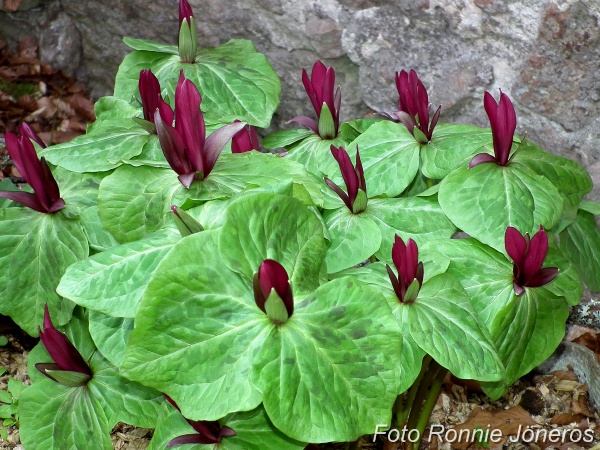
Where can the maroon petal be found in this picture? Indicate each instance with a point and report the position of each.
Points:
(362, 184)
(149, 88)
(51, 187)
(536, 253)
(543, 277)
(34, 174)
(171, 144)
(519, 290)
(310, 90)
(395, 284)
(341, 194)
(189, 122)
(185, 11)
(14, 151)
(166, 113)
(272, 275)
(347, 169)
(307, 122)
(25, 199)
(515, 244)
(216, 142)
(60, 348)
(244, 140)
(480, 159)
(27, 131)
(434, 122)
(398, 252)
(190, 439)
(411, 261)
(317, 79)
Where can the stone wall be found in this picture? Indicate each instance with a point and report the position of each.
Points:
(543, 53)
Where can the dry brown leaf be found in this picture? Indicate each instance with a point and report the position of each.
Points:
(566, 419)
(565, 375)
(11, 5)
(82, 105)
(508, 421)
(581, 406)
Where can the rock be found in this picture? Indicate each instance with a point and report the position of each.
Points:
(584, 364)
(542, 53)
(60, 42)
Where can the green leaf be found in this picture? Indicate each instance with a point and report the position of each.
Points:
(453, 146)
(7, 185)
(112, 282)
(5, 397)
(196, 331)
(15, 387)
(236, 82)
(525, 333)
(55, 417)
(107, 108)
(390, 158)
(485, 200)
(284, 138)
(352, 129)
(354, 238)
(149, 46)
(315, 154)
(420, 219)
(570, 178)
(276, 227)
(444, 324)
(110, 334)
(568, 283)
(590, 206)
(3, 341)
(101, 149)
(580, 242)
(332, 364)
(254, 431)
(134, 201)
(485, 274)
(35, 250)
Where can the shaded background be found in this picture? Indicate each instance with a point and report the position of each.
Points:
(544, 54)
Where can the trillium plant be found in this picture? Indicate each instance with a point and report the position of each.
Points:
(311, 286)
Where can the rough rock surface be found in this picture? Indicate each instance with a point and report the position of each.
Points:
(543, 53)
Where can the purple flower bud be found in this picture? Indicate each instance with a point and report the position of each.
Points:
(413, 105)
(354, 178)
(321, 91)
(409, 268)
(503, 121)
(528, 257)
(245, 140)
(65, 355)
(46, 195)
(150, 93)
(273, 276)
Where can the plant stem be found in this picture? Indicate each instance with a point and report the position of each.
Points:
(432, 396)
(402, 415)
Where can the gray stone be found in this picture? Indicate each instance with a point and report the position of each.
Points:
(60, 42)
(584, 364)
(543, 53)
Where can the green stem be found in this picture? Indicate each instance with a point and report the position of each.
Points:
(402, 415)
(421, 395)
(432, 396)
(429, 182)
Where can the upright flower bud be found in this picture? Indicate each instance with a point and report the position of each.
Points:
(503, 121)
(188, 37)
(69, 367)
(528, 256)
(46, 196)
(326, 101)
(354, 178)
(273, 291)
(149, 88)
(410, 270)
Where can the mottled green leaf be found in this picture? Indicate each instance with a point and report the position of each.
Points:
(35, 250)
(354, 238)
(112, 282)
(485, 200)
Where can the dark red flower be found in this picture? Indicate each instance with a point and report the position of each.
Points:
(69, 367)
(46, 196)
(326, 101)
(272, 277)
(206, 432)
(528, 257)
(503, 121)
(185, 146)
(413, 105)
(244, 140)
(354, 178)
(410, 270)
